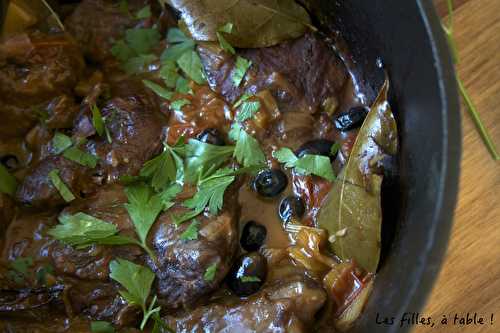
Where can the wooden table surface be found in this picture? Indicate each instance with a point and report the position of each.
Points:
(469, 281)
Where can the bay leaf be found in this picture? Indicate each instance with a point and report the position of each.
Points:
(352, 210)
(257, 23)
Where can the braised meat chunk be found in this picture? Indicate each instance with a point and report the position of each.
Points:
(285, 307)
(34, 68)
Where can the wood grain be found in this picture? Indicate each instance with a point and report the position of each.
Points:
(470, 277)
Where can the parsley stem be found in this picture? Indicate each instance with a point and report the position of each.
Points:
(471, 108)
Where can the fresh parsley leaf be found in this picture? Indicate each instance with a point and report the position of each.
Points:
(97, 119)
(144, 13)
(60, 142)
(306, 165)
(186, 216)
(211, 191)
(175, 35)
(247, 150)
(227, 28)
(61, 187)
(240, 69)
(317, 165)
(137, 281)
(201, 158)
(159, 90)
(122, 51)
(142, 40)
(243, 98)
(123, 6)
(182, 86)
(168, 73)
(178, 104)
(224, 44)
(191, 232)
(210, 272)
(245, 278)
(190, 63)
(41, 274)
(101, 327)
(143, 207)
(286, 156)
(175, 51)
(21, 265)
(138, 64)
(168, 195)
(335, 149)
(8, 183)
(161, 170)
(247, 110)
(79, 156)
(83, 230)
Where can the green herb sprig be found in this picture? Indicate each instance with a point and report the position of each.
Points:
(8, 183)
(470, 107)
(137, 281)
(306, 165)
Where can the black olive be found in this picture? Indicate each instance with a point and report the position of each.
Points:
(353, 118)
(212, 136)
(253, 236)
(291, 207)
(247, 274)
(10, 162)
(269, 183)
(315, 147)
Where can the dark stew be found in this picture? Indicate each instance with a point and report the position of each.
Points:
(185, 166)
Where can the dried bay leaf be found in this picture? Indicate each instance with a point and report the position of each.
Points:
(353, 207)
(257, 23)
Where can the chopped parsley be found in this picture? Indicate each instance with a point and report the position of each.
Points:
(247, 150)
(142, 40)
(169, 74)
(159, 90)
(191, 232)
(101, 327)
(211, 191)
(178, 104)
(240, 69)
(8, 183)
(19, 269)
(134, 50)
(79, 156)
(60, 142)
(224, 44)
(203, 159)
(190, 63)
(335, 149)
(247, 110)
(210, 272)
(161, 170)
(137, 281)
(82, 230)
(138, 64)
(182, 86)
(61, 187)
(306, 165)
(175, 51)
(97, 120)
(144, 13)
(41, 274)
(245, 278)
(168, 195)
(143, 207)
